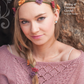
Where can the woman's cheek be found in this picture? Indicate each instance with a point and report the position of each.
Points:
(24, 29)
(48, 25)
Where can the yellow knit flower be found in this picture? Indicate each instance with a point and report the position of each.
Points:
(21, 2)
(58, 7)
(28, 63)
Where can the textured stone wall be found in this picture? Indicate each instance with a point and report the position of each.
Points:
(71, 23)
(6, 22)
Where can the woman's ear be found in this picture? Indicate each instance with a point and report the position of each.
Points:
(56, 13)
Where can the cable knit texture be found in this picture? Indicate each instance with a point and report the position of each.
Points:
(14, 70)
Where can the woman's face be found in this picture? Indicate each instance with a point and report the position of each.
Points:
(37, 22)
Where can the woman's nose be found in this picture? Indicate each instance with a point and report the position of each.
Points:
(34, 27)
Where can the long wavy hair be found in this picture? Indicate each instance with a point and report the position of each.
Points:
(23, 44)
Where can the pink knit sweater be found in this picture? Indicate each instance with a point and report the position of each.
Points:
(14, 70)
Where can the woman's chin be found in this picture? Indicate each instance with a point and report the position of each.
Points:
(39, 43)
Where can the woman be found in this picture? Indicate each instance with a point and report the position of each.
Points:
(36, 56)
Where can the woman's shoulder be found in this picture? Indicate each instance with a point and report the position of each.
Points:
(4, 58)
(3, 53)
(75, 53)
(3, 49)
(71, 53)
(6, 61)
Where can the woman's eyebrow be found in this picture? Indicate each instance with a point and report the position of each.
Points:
(40, 15)
(35, 16)
(22, 19)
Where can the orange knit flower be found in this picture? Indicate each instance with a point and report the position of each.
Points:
(58, 7)
(21, 2)
(28, 63)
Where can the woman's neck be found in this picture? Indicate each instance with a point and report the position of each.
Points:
(45, 51)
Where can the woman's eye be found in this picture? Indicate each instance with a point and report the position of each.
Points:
(41, 18)
(24, 22)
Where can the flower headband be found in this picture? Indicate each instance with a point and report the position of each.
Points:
(20, 2)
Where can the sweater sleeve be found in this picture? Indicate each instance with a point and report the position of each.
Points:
(7, 73)
(3, 79)
(3, 67)
(80, 78)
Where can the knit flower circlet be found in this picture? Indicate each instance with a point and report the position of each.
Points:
(20, 2)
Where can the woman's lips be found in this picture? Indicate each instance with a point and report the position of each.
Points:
(37, 37)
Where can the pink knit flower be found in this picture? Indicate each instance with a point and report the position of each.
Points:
(14, 9)
(53, 4)
(34, 69)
